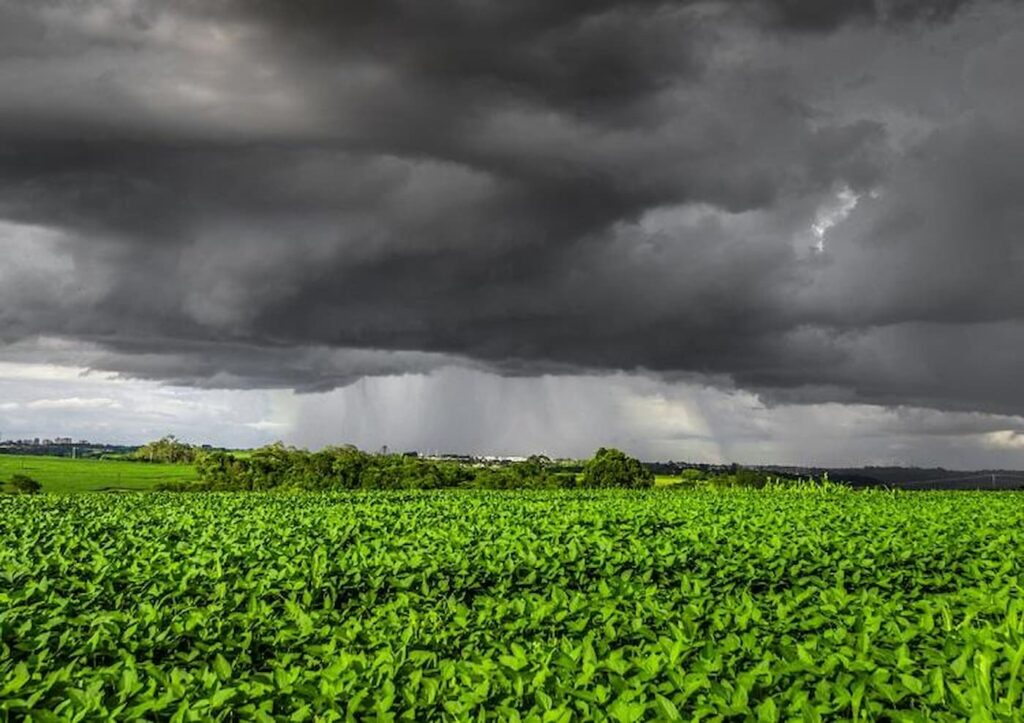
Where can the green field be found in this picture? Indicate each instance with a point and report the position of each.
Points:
(60, 474)
(663, 604)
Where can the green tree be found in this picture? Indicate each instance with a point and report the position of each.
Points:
(749, 477)
(222, 471)
(613, 468)
(168, 449)
(537, 471)
(25, 485)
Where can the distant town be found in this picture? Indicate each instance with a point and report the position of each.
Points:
(37, 442)
(63, 447)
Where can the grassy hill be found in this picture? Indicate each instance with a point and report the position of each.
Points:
(60, 474)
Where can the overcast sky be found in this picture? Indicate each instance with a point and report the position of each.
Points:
(750, 230)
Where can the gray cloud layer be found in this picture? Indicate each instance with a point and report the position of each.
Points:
(816, 201)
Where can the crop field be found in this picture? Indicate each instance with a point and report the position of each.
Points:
(527, 605)
(60, 474)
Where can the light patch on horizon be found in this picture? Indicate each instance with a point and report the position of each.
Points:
(51, 372)
(51, 400)
(473, 412)
(1005, 439)
(74, 403)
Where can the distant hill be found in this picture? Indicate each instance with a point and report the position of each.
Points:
(932, 478)
(923, 478)
(920, 478)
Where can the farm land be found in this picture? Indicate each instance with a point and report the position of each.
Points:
(64, 475)
(801, 603)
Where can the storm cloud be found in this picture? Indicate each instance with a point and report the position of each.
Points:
(811, 202)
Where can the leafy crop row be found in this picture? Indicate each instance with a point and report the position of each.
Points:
(532, 605)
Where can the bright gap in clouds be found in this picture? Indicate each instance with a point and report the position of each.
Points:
(51, 400)
(468, 411)
(841, 207)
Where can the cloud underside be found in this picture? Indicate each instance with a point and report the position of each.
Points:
(805, 200)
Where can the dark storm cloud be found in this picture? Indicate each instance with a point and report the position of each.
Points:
(303, 193)
(827, 15)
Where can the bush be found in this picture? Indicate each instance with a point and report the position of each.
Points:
(23, 484)
(612, 468)
(692, 477)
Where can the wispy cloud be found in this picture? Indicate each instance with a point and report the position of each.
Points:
(74, 403)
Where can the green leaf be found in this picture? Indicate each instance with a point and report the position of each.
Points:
(767, 711)
(222, 667)
(626, 712)
(16, 683)
(912, 684)
(222, 696)
(666, 708)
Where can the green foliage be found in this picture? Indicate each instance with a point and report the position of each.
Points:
(536, 472)
(738, 477)
(25, 485)
(692, 475)
(529, 605)
(168, 451)
(612, 468)
(347, 468)
(744, 477)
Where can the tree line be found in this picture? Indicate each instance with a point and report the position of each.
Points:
(347, 468)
